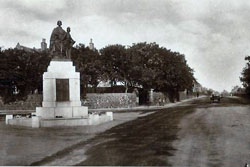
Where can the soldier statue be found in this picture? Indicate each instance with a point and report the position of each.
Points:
(68, 43)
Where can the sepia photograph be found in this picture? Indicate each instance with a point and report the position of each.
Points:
(125, 83)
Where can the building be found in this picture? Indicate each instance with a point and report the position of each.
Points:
(91, 45)
(237, 90)
(43, 45)
(27, 49)
(197, 87)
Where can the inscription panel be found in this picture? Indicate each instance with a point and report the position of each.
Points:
(62, 90)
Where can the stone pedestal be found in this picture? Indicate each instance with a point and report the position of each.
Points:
(61, 92)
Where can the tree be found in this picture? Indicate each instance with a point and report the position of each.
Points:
(21, 71)
(161, 69)
(175, 74)
(145, 62)
(89, 64)
(245, 79)
(143, 65)
(117, 65)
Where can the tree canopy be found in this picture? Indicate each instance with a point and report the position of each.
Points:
(143, 65)
(159, 68)
(117, 65)
(21, 72)
(89, 64)
(245, 79)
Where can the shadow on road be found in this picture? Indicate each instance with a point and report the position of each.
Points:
(146, 141)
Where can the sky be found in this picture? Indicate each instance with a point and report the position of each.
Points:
(213, 35)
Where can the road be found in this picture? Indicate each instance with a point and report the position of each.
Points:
(194, 133)
(21, 146)
(215, 136)
(207, 135)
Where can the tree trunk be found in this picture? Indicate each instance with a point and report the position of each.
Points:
(126, 87)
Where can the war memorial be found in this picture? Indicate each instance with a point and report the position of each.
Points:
(61, 104)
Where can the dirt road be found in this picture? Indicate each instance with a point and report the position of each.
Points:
(195, 133)
(215, 136)
(198, 133)
(23, 146)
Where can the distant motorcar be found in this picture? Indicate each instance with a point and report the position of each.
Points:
(215, 98)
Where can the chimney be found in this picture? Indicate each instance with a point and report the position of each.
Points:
(91, 45)
(43, 44)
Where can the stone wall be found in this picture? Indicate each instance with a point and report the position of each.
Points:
(183, 95)
(95, 100)
(32, 101)
(110, 100)
(159, 99)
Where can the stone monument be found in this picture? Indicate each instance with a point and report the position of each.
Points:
(61, 82)
(61, 104)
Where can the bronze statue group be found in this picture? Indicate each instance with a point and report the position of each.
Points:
(61, 42)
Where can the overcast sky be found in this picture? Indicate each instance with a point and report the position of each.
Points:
(214, 35)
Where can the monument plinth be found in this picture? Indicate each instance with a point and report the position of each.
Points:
(61, 92)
